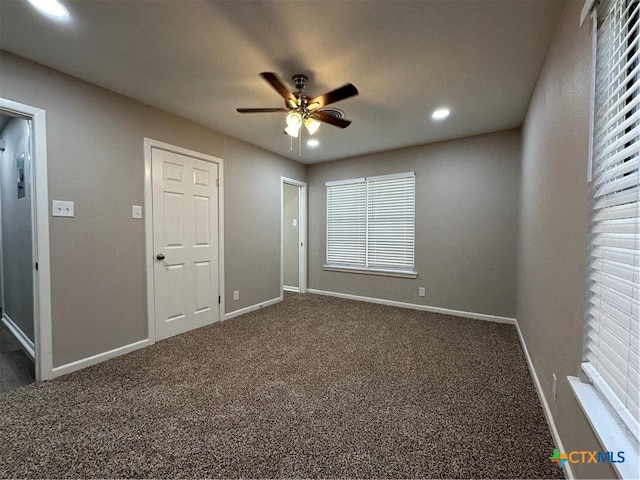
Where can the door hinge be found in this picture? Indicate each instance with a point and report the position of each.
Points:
(36, 265)
(219, 301)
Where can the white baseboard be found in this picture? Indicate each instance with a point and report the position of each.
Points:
(17, 332)
(415, 306)
(545, 405)
(99, 358)
(251, 308)
(291, 289)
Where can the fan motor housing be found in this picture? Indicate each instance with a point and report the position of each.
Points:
(300, 81)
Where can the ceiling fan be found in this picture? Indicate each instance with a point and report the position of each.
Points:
(300, 108)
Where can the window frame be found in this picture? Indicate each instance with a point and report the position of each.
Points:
(365, 268)
(614, 425)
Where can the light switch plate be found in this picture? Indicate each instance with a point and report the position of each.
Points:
(63, 208)
(136, 211)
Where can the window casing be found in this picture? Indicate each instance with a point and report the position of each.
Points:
(371, 224)
(611, 359)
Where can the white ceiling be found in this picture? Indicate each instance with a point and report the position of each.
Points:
(200, 59)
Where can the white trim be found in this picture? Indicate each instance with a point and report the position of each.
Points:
(607, 427)
(149, 144)
(613, 402)
(345, 182)
(257, 306)
(302, 232)
(586, 8)
(371, 271)
(592, 93)
(545, 405)
(414, 306)
(99, 358)
(40, 201)
(390, 176)
(20, 336)
(287, 288)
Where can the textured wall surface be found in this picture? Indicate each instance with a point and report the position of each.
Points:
(553, 227)
(96, 159)
(466, 224)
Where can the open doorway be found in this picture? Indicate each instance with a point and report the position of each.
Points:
(294, 244)
(25, 279)
(17, 306)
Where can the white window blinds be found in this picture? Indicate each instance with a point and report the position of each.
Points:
(371, 222)
(613, 310)
(347, 223)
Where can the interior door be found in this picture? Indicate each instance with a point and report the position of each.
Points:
(185, 239)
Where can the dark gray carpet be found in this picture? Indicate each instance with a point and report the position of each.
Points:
(311, 387)
(16, 368)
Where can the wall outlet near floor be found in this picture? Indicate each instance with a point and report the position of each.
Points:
(554, 387)
(236, 295)
(421, 291)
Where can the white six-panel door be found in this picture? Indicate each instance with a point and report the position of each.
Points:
(185, 240)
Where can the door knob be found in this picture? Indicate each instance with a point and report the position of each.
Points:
(160, 256)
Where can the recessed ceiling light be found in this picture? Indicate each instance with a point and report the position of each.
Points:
(313, 142)
(440, 114)
(52, 8)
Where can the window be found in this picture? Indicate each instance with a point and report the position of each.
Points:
(611, 359)
(371, 224)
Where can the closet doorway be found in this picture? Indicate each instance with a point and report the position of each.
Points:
(25, 290)
(294, 236)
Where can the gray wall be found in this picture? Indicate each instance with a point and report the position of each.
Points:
(95, 158)
(17, 255)
(466, 224)
(291, 234)
(553, 227)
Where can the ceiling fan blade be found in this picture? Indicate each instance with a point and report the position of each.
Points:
(346, 91)
(280, 87)
(338, 122)
(260, 110)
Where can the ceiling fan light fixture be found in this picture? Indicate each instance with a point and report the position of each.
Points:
(294, 122)
(311, 125)
(293, 131)
(303, 110)
(294, 119)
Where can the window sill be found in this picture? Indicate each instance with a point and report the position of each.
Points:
(613, 435)
(372, 271)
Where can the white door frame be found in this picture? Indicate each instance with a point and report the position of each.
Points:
(302, 232)
(149, 144)
(40, 227)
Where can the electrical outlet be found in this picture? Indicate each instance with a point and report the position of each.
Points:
(421, 291)
(236, 295)
(63, 209)
(554, 387)
(136, 211)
